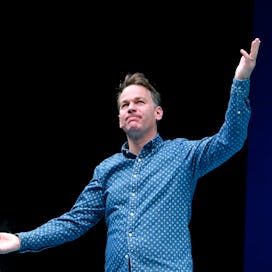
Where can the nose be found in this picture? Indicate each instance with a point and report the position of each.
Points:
(131, 108)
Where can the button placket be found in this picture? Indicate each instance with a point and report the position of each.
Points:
(132, 206)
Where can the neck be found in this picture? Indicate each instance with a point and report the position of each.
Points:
(137, 143)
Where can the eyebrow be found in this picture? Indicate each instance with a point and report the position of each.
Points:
(135, 98)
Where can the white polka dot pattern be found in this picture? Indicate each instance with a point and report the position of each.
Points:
(147, 199)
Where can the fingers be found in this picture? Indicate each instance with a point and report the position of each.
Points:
(255, 44)
(255, 48)
(245, 54)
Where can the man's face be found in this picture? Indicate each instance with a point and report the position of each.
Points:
(137, 112)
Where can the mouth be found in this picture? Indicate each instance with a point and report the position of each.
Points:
(132, 118)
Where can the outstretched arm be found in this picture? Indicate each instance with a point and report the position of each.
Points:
(247, 61)
(8, 242)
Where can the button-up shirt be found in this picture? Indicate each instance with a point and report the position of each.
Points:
(146, 199)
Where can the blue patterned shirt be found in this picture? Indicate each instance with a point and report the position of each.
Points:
(146, 200)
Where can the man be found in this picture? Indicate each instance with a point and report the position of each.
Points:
(145, 192)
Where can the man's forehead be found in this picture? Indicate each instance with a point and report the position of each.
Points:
(134, 91)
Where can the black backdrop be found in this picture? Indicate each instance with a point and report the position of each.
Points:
(61, 67)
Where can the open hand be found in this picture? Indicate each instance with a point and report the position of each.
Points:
(247, 61)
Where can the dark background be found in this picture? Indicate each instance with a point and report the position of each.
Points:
(258, 216)
(61, 67)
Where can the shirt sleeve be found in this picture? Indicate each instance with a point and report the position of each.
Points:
(210, 152)
(85, 213)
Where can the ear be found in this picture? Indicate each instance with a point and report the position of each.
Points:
(121, 125)
(158, 113)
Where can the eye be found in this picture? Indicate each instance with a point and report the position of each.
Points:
(124, 105)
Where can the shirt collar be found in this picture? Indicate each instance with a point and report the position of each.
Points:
(147, 149)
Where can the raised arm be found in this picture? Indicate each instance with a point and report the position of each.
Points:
(247, 61)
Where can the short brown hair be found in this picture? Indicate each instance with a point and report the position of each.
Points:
(138, 79)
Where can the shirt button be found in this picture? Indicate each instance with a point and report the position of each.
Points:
(133, 194)
(130, 234)
(126, 256)
(238, 112)
(132, 213)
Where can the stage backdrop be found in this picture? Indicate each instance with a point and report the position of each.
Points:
(258, 235)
